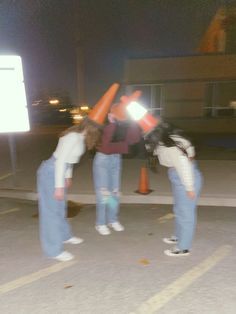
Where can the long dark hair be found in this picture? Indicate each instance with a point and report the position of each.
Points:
(162, 135)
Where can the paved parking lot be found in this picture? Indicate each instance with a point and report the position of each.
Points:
(123, 273)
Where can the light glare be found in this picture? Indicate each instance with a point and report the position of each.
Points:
(136, 111)
(54, 101)
(13, 104)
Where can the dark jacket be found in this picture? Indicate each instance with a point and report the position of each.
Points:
(117, 137)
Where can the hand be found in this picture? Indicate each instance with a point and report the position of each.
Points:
(191, 194)
(68, 182)
(59, 194)
(111, 117)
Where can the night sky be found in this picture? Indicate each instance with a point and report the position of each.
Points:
(45, 32)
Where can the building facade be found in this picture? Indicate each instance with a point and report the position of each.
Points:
(194, 86)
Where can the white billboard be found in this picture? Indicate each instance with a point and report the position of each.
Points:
(13, 105)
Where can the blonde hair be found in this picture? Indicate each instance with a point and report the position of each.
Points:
(92, 133)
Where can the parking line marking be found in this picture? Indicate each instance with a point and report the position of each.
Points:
(9, 211)
(25, 280)
(166, 217)
(6, 175)
(156, 302)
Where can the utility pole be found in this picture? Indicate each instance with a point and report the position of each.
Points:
(80, 56)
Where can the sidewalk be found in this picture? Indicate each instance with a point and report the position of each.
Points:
(219, 184)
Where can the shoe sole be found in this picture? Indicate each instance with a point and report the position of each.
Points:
(168, 241)
(102, 233)
(67, 242)
(61, 260)
(118, 230)
(64, 260)
(110, 226)
(169, 253)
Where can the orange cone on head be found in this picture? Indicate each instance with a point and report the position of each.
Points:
(148, 123)
(145, 120)
(100, 110)
(119, 109)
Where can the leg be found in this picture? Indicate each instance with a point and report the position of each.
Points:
(49, 211)
(174, 183)
(185, 209)
(101, 182)
(64, 224)
(185, 220)
(114, 200)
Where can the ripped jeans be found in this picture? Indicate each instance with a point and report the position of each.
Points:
(106, 178)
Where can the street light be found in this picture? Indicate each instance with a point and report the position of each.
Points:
(13, 105)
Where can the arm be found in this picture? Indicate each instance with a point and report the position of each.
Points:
(109, 147)
(64, 148)
(184, 169)
(68, 176)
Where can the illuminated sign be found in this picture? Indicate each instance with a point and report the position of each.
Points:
(13, 105)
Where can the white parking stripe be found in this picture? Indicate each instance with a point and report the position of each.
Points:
(6, 175)
(166, 217)
(22, 281)
(9, 211)
(156, 302)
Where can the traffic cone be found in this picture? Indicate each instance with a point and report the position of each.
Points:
(145, 120)
(148, 123)
(119, 109)
(143, 182)
(100, 110)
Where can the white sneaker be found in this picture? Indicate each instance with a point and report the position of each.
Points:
(116, 226)
(171, 240)
(176, 252)
(102, 229)
(74, 240)
(64, 257)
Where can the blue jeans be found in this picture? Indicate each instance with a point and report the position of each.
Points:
(54, 227)
(185, 208)
(106, 177)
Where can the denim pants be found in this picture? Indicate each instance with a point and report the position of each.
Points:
(54, 227)
(106, 177)
(185, 208)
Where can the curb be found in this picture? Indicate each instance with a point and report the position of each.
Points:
(204, 200)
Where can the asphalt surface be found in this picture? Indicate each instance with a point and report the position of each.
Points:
(123, 273)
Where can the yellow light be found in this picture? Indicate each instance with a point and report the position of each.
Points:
(136, 110)
(78, 117)
(62, 110)
(84, 108)
(54, 101)
(233, 104)
(74, 111)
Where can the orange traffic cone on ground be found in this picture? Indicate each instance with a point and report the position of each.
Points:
(143, 182)
(100, 110)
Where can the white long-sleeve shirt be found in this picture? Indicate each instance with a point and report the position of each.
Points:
(69, 149)
(174, 157)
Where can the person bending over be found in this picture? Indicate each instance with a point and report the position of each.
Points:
(177, 153)
(54, 176)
